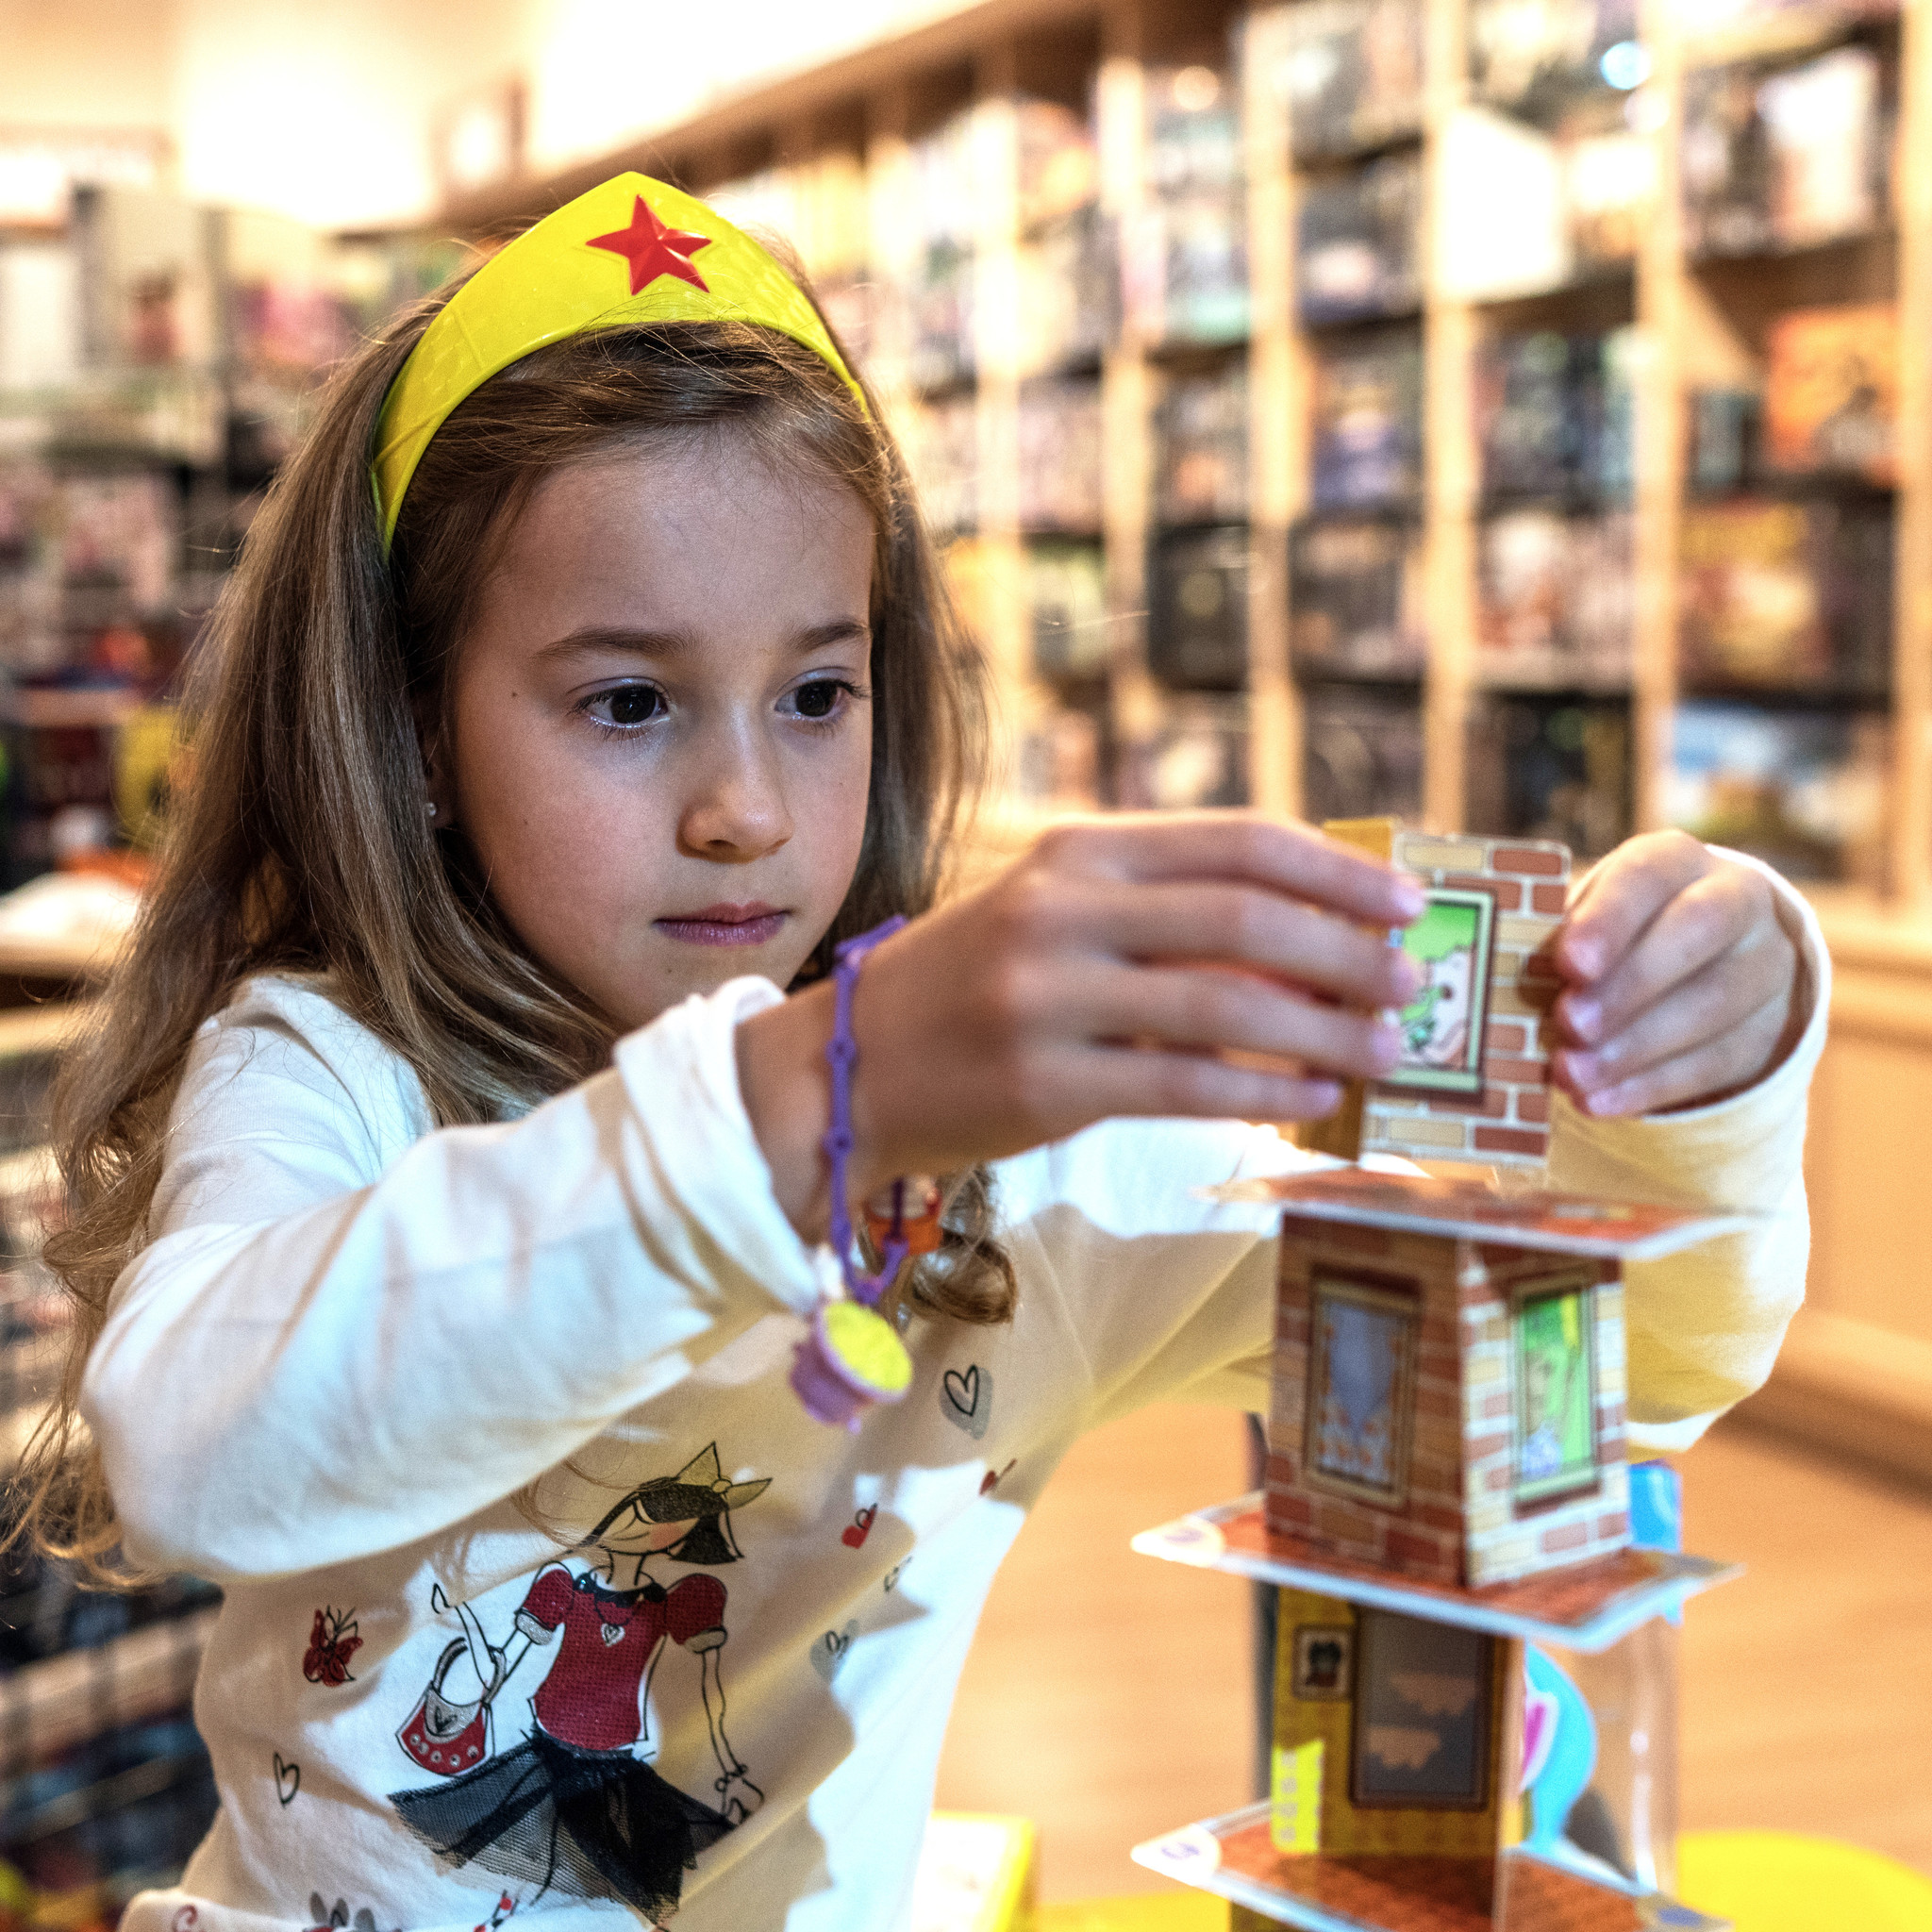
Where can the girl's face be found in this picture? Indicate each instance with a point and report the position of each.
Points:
(659, 728)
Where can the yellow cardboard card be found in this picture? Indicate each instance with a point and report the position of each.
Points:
(976, 1874)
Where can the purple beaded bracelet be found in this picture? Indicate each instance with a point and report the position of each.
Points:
(850, 1357)
(841, 1056)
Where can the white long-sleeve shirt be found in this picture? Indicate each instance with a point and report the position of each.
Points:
(352, 1338)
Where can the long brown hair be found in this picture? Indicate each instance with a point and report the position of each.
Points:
(301, 844)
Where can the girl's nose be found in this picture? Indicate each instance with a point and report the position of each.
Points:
(736, 810)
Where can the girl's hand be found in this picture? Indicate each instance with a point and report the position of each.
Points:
(1109, 972)
(1685, 980)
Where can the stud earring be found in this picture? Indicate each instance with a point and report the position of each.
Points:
(432, 806)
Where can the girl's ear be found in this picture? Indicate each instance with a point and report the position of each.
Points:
(439, 793)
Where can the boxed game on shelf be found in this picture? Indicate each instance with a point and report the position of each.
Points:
(1184, 271)
(118, 1814)
(1184, 262)
(1362, 753)
(819, 207)
(1201, 452)
(1779, 595)
(975, 571)
(1610, 187)
(1355, 598)
(149, 293)
(1526, 212)
(940, 440)
(1059, 455)
(1066, 593)
(1058, 761)
(1351, 75)
(1068, 311)
(1548, 766)
(1501, 231)
(1554, 414)
(940, 299)
(1196, 759)
(1804, 790)
(1538, 61)
(834, 219)
(1557, 597)
(1732, 29)
(1831, 391)
(939, 302)
(1193, 133)
(1725, 427)
(49, 1615)
(1789, 159)
(1058, 161)
(40, 334)
(35, 1321)
(82, 548)
(1197, 629)
(92, 622)
(1367, 420)
(1358, 249)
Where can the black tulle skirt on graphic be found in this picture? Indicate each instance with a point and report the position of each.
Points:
(590, 1824)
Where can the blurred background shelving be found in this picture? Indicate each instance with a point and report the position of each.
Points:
(1511, 416)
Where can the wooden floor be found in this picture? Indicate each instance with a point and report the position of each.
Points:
(1107, 1696)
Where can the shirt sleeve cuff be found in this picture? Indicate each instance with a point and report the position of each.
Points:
(680, 1074)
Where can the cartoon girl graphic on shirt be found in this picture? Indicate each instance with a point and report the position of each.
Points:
(574, 1807)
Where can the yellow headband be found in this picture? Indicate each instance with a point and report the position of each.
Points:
(629, 251)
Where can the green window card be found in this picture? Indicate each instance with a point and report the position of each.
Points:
(1442, 1028)
(1556, 1391)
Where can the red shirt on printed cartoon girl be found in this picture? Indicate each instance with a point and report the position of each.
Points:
(573, 1802)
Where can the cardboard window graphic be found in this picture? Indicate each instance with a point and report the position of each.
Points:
(1362, 1389)
(1442, 1028)
(1423, 1711)
(1552, 1340)
(1323, 1662)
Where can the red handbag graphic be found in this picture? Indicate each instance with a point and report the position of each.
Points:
(447, 1737)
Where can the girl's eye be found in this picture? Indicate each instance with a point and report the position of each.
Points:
(629, 704)
(819, 698)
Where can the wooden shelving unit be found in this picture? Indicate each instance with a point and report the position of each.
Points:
(1698, 324)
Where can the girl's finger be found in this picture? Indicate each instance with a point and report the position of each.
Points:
(1707, 1003)
(1710, 919)
(1621, 896)
(1147, 1082)
(1245, 926)
(1708, 1072)
(1271, 853)
(1209, 1011)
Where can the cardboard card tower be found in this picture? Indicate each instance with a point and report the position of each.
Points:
(1446, 1471)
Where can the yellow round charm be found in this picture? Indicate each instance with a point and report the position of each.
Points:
(865, 1350)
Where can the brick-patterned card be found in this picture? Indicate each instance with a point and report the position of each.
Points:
(1474, 1080)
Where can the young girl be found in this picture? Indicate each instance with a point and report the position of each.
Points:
(448, 1169)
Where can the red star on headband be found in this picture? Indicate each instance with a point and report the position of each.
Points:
(652, 250)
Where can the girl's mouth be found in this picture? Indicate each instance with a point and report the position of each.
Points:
(726, 925)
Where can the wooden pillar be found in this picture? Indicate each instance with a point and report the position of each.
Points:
(995, 165)
(1126, 385)
(1451, 464)
(1663, 300)
(1910, 817)
(1278, 424)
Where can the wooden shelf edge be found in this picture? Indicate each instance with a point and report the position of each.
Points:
(1864, 935)
(1852, 1392)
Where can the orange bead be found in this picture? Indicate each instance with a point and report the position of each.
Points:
(921, 1229)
